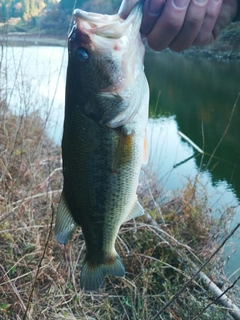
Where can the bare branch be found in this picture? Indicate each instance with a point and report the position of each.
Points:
(195, 274)
(225, 131)
(39, 266)
(222, 298)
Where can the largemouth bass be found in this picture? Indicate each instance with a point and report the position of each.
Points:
(106, 112)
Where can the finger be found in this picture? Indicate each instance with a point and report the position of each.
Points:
(168, 25)
(205, 34)
(227, 13)
(152, 10)
(191, 26)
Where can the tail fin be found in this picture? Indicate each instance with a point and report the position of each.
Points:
(92, 277)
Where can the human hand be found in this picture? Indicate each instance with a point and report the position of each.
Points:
(178, 24)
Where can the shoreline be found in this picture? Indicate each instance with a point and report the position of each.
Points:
(225, 48)
(31, 39)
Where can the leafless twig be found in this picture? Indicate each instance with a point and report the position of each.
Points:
(225, 131)
(196, 274)
(39, 266)
(234, 311)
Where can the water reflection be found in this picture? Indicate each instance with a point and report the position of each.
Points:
(196, 97)
(167, 163)
(201, 94)
(33, 79)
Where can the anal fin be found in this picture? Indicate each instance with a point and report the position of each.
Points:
(137, 211)
(65, 224)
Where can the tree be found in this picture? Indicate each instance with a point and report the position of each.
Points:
(6, 8)
(17, 9)
(107, 6)
(32, 8)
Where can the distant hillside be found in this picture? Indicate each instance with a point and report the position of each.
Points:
(48, 22)
(47, 16)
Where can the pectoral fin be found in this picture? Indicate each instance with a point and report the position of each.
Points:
(145, 150)
(136, 211)
(124, 149)
(65, 224)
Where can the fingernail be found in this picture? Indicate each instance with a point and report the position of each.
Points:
(180, 3)
(202, 1)
(155, 7)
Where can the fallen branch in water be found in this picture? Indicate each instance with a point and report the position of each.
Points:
(197, 272)
(190, 142)
(220, 297)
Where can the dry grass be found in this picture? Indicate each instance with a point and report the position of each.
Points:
(154, 255)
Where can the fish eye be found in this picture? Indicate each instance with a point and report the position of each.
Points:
(81, 54)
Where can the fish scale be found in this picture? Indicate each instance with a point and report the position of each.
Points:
(103, 139)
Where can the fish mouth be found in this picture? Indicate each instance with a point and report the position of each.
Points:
(110, 38)
(110, 26)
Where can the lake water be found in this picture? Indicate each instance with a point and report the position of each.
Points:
(193, 96)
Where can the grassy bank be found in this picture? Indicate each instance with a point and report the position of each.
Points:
(40, 278)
